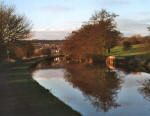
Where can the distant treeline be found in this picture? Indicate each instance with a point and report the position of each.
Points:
(135, 39)
(42, 41)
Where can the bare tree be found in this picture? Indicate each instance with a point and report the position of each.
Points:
(13, 27)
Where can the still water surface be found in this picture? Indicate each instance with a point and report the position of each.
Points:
(97, 91)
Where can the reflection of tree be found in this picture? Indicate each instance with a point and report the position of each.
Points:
(145, 90)
(42, 64)
(98, 84)
(133, 64)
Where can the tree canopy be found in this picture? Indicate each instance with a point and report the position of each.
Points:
(94, 37)
(13, 26)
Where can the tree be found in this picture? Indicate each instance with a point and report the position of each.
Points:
(94, 37)
(22, 49)
(46, 51)
(13, 27)
(126, 45)
(148, 28)
(107, 27)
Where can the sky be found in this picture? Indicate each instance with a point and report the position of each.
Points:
(55, 19)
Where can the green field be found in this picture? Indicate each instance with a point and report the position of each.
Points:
(139, 49)
(20, 95)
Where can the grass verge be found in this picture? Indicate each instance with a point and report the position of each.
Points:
(20, 95)
(135, 50)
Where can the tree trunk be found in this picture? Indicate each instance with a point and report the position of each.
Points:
(108, 50)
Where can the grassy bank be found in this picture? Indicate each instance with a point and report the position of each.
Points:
(135, 50)
(20, 95)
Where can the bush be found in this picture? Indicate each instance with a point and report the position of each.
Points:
(23, 50)
(126, 45)
(46, 51)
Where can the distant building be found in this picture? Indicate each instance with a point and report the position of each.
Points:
(54, 45)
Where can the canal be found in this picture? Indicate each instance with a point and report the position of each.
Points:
(97, 90)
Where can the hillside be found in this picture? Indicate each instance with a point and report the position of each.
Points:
(138, 49)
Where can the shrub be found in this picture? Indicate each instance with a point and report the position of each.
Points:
(126, 45)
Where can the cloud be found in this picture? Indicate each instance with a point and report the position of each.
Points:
(144, 13)
(49, 35)
(57, 32)
(113, 2)
(56, 8)
(130, 27)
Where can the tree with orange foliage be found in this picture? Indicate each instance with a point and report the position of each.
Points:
(94, 37)
(107, 30)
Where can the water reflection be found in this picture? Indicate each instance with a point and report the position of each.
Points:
(96, 90)
(98, 84)
(145, 90)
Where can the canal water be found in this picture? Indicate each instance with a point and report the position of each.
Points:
(97, 90)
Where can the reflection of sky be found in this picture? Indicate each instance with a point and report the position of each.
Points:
(132, 103)
(47, 74)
